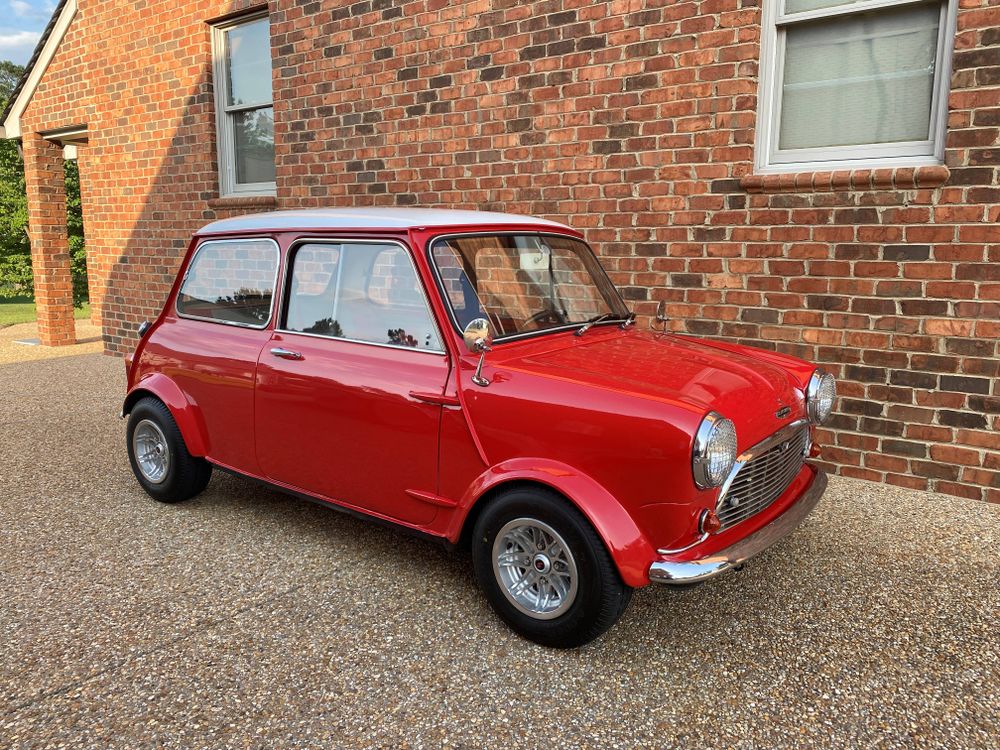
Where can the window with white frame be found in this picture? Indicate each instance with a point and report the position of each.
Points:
(854, 83)
(244, 106)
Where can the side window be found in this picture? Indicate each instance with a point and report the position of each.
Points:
(230, 282)
(364, 292)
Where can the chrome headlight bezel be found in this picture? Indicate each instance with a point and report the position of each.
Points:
(821, 393)
(715, 433)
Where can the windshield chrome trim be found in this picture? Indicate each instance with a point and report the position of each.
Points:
(439, 282)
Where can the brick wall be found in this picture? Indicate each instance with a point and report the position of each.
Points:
(633, 121)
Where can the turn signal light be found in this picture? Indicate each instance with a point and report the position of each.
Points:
(710, 522)
(814, 451)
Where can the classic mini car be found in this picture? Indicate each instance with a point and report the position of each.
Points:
(476, 378)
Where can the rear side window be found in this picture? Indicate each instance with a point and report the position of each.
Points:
(231, 282)
(363, 292)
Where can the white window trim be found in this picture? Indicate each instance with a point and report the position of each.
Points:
(225, 135)
(769, 159)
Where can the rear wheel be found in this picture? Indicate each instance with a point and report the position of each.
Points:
(160, 460)
(544, 569)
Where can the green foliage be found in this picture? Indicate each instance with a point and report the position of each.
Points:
(74, 227)
(22, 310)
(15, 249)
(15, 252)
(10, 74)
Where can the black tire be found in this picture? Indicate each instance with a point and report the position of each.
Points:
(601, 597)
(185, 475)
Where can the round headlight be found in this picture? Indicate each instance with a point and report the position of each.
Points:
(714, 451)
(820, 395)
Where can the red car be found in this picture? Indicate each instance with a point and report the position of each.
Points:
(475, 378)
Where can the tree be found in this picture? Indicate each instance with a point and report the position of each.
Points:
(15, 248)
(10, 74)
(15, 251)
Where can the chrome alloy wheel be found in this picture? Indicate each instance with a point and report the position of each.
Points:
(152, 456)
(535, 568)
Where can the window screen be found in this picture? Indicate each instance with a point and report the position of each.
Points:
(864, 78)
(230, 282)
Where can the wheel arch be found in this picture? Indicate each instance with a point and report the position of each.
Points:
(631, 551)
(186, 414)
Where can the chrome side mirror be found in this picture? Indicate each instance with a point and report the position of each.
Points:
(479, 341)
(659, 323)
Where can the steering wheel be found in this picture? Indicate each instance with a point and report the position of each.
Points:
(548, 315)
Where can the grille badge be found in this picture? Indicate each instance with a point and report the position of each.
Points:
(783, 412)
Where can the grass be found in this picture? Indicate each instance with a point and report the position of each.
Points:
(22, 310)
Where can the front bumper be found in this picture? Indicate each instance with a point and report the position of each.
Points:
(695, 571)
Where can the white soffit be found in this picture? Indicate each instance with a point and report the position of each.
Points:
(11, 127)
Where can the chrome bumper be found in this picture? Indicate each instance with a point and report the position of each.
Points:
(694, 571)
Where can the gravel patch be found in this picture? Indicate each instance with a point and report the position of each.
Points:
(88, 342)
(246, 619)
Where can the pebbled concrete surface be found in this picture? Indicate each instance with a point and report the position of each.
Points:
(88, 341)
(248, 619)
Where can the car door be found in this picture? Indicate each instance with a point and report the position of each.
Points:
(337, 402)
(210, 347)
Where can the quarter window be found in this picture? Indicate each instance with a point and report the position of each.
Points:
(854, 83)
(230, 282)
(363, 292)
(244, 107)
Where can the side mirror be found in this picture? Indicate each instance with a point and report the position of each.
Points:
(477, 336)
(479, 341)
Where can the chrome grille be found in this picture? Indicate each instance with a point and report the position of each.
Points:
(763, 479)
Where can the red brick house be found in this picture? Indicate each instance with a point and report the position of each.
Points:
(816, 176)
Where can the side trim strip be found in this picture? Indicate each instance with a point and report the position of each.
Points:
(436, 398)
(432, 498)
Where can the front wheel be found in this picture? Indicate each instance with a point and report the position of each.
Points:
(160, 458)
(544, 569)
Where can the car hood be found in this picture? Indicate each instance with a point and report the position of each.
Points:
(746, 388)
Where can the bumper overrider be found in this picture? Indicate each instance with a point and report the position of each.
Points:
(695, 571)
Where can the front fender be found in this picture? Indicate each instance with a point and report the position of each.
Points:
(629, 548)
(186, 413)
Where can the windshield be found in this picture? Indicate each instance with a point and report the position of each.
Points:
(523, 283)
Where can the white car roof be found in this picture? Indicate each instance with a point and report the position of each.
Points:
(368, 218)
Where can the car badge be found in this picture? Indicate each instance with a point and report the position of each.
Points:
(783, 412)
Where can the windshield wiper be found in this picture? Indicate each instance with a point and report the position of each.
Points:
(629, 320)
(593, 321)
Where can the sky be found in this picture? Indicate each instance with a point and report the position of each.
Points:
(21, 24)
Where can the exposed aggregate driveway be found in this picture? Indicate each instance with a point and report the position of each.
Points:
(245, 618)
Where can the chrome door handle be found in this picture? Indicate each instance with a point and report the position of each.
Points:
(286, 354)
